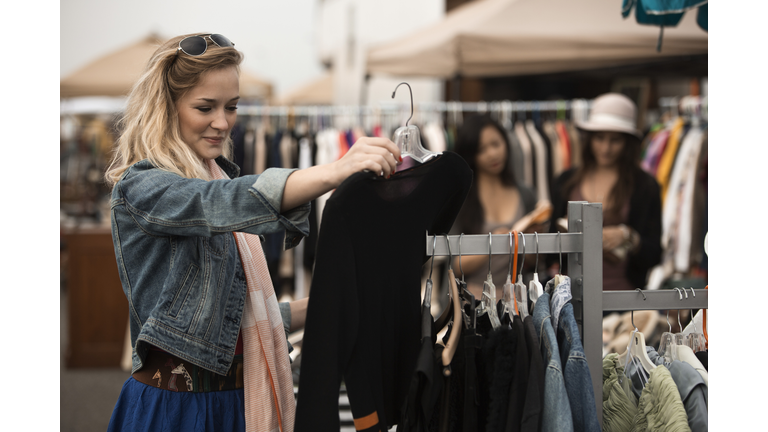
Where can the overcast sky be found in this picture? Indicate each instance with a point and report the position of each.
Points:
(275, 36)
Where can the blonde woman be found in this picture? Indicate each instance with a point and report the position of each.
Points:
(208, 336)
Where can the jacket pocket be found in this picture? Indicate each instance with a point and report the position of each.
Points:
(183, 292)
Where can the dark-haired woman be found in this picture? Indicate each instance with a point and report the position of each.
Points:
(495, 201)
(610, 174)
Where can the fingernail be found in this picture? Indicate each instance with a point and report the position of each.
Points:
(401, 158)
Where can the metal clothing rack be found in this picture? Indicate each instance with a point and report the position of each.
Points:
(582, 247)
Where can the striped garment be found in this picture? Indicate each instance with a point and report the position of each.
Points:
(269, 399)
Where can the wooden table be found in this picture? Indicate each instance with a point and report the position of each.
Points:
(97, 310)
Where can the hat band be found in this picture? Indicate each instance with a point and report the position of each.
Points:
(611, 120)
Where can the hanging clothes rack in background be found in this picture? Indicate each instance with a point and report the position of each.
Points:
(582, 247)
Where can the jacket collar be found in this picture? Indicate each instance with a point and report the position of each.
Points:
(229, 167)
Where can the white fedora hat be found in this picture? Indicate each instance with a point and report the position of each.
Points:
(611, 112)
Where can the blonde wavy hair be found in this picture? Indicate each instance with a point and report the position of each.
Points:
(150, 123)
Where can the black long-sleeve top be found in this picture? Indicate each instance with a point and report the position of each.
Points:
(363, 317)
(644, 217)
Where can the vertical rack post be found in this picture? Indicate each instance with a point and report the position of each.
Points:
(586, 272)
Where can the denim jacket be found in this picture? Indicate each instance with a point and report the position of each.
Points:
(177, 257)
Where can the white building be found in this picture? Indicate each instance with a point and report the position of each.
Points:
(346, 29)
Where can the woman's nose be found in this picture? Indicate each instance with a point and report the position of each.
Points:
(220, 121)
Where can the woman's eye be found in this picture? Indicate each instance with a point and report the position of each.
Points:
(204, 109)
(232, 108)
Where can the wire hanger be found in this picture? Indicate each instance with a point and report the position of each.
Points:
(521, 293)
(450, 346)
(408, 138)
(489, 291)
(535, 289)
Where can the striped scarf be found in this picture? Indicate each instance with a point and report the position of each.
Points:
(269, 400)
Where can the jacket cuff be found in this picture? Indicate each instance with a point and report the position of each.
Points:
(269, 186)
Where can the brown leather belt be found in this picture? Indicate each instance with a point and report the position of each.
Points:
(168, 372)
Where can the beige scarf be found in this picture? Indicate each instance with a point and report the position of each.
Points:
(269, 401)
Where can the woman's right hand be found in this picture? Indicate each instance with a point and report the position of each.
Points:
(379, 155)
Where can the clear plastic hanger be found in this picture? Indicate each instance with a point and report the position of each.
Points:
(471, 319)
(521, 293)
(408, 138)
(489, 291)
(679, 337)
(535, 289)
(426, 304)
(507, 297)
(667, 343)
(636, 352)
(695, 340)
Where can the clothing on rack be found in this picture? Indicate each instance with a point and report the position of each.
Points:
(690, 385)
(556, 415)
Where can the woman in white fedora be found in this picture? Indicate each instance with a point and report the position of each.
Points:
(610, 174)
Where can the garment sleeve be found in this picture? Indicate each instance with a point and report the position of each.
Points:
(330, 332)
(164, 203)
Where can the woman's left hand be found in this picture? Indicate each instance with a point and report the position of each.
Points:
(613, 236)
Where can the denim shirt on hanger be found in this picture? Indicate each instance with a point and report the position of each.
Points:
(556, 415)
(578, 380)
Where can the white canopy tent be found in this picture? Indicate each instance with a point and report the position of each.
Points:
(518, 37)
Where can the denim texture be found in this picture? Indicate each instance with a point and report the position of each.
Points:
(578, 380)
(556, 415)
(178, 260)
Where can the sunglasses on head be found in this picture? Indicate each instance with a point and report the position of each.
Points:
(198, 45)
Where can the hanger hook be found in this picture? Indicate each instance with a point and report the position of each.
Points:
(490, 250)
(434, 243)
(523, 262)
(560, 240)
(668, 323)
(632, 313)
(536, 268)
(411, 91)
(461, 269)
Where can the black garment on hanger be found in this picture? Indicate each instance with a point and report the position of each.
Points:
(363, 319)
(534, 396)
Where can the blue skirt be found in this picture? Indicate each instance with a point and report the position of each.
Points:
(145, 408)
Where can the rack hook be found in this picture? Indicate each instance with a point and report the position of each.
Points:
(411, 92)
(536, 268)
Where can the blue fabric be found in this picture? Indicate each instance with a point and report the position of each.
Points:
(145, 408)
(702, 17)
(578, 380)
(556, 415)
(667, 13)
(178, 261)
